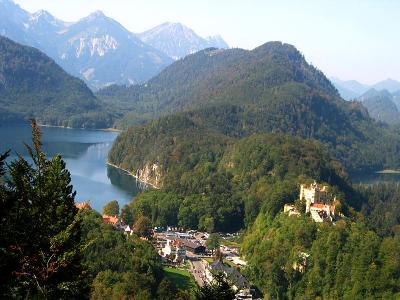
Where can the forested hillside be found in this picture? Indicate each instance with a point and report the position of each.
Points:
(345, 261)
(213, 182)
(34, 86)
(216, 76)
(269, 89)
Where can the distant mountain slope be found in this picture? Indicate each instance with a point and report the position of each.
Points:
(396, 99)
(96, 48)
(14, 21)
(388, 84)
(269, 89)
(381, 106)
(177, 40)
(349, 89)
(33, 85)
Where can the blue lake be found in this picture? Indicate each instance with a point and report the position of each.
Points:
(85, 153)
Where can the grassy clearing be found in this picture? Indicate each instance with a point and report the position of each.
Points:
(182, 279)
(230, 243)
(209, 259)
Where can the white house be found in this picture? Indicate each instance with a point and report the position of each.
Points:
(175, 249)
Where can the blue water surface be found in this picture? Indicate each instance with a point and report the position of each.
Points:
(85, 153)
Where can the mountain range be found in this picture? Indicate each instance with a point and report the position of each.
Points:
(352, 89)
(97, 48)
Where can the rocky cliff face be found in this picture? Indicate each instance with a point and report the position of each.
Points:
(150, 174)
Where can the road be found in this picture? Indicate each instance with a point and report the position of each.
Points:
(198, 270)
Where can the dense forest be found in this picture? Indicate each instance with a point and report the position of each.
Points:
(33, 85)
(345, 261)
(212, 182)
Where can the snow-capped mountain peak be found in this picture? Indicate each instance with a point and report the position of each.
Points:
(177, 40)
(44, 17)
(97, 15)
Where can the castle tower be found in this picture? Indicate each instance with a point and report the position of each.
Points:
(313, 193)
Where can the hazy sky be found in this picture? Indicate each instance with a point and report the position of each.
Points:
(350, 39)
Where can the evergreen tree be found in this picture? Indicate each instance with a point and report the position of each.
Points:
(40, 228)
(218, 289)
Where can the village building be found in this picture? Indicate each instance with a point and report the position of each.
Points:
(174, 249)
(127, 229)
(193, 246)
(113, 220)
(239, 283)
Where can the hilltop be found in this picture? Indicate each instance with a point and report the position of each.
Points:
(33, 86)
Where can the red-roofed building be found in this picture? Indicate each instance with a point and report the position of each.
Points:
(113, 220)
(83, 205)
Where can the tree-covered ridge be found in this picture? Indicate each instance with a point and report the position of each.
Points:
(381, 106)
(215, 76)
(381, 207)
(118, 265)
(33, 85)
(174, 143)
(213, 182)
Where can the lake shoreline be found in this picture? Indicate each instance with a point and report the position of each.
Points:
(133, 175)
(94, 129)
(388, 171)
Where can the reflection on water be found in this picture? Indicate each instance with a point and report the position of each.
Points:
(85, 153)
(124, 181)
